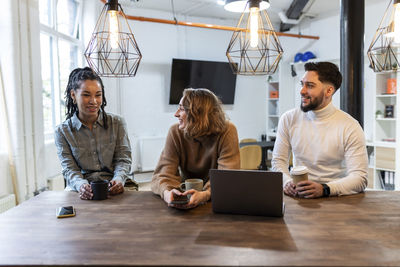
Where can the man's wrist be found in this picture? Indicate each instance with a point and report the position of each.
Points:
(326, 190)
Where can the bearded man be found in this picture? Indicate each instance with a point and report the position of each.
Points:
(325, 139)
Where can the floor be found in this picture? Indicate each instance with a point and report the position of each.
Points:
(144, 180)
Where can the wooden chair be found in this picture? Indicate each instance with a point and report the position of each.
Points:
(250, 157)
(248, 140)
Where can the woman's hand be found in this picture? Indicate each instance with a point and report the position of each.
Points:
(197, 197)
(85, 191)
(116, 188)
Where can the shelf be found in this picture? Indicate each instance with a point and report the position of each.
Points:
(383, 169)
(273, 116)
(386, 119)
(386, 95)
(271, 134)
(273, 99)
(385, 144)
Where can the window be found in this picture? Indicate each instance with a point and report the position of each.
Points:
(61, 52)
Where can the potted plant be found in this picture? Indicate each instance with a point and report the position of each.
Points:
(379, 114)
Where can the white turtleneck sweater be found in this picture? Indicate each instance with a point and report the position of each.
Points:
(329, 142)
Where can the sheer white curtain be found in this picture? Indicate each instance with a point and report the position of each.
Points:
(7, 167)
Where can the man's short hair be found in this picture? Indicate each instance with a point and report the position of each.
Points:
(327, 72)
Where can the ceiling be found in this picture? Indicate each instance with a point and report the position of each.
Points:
(211, 9)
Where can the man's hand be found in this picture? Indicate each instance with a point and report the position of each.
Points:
(85, 191)
(116, 188)
(290, 189)
(309, 189)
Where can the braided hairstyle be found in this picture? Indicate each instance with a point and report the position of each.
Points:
(75, 80)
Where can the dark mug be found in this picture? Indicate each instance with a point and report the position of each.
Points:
(263, 137)
(99, 189)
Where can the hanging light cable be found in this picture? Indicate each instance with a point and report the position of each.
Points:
(254, 43)
(112, 51)
(384, 51)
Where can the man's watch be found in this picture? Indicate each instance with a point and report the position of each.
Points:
(326, 190)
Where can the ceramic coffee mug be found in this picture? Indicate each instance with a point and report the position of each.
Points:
(299, 173)
(99, 189)
(196, 184)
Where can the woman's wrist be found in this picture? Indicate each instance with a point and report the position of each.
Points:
(166, 195)
(207, 195)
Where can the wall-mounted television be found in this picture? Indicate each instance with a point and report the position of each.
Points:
(215, 76)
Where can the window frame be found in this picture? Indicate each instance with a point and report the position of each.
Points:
(54, 56)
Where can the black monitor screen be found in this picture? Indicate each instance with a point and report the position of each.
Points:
(215, 76)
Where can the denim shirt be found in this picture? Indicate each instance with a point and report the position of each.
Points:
(98, 154)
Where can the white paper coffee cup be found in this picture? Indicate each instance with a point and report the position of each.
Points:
(299, 173)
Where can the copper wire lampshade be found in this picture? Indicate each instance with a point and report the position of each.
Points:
(112, 51)
(254, 48)
(384, 51)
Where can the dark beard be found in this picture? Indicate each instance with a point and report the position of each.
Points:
(313, 104)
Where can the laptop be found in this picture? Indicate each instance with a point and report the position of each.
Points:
(247, 192)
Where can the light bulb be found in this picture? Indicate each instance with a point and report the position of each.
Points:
(254, 12)
(114, 29)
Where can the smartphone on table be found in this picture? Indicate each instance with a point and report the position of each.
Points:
(67, 211)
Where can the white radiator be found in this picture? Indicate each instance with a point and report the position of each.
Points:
(149, 152)
(7, 202)
(56, 183)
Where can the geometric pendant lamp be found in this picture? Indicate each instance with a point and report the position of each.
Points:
(112, 51)
(254, 48)
(384, 51)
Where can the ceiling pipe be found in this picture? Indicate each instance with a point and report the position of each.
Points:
(209, 26)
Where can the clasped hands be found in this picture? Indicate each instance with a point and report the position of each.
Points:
(85, 191)
(303, 189)
(197, 197)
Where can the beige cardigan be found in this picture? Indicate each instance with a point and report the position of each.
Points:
(184, 158)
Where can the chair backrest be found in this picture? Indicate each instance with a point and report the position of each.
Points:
(248, 140)
(250, 157)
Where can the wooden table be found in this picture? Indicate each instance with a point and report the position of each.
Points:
(137, 228)
(265, 146)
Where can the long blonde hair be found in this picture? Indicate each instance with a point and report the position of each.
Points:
(204, 113)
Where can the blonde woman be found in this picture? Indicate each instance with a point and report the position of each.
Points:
(202, 139)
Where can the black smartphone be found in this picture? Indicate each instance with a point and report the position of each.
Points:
(63, 212)
(179, 199)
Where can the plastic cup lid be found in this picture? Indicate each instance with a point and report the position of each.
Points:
(299, 170)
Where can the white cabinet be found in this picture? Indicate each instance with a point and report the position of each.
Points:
(382, 151)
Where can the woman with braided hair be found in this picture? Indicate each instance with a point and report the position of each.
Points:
(91, 144)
